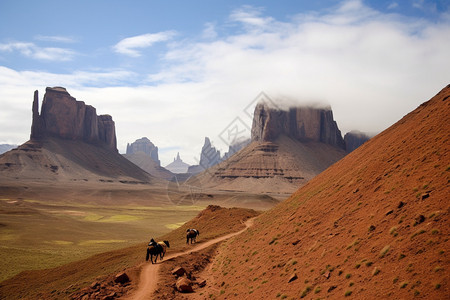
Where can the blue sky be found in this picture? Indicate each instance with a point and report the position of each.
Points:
(177, 71)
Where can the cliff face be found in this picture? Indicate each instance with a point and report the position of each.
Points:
(354, 139)
(209, 156)
(299, 123)
(64, 117)
(146, 146)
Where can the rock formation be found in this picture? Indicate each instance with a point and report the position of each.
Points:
(69, 143)
(6, 147)
(144, 145)
(235, 147)
(287, 149)
(64, 117)
(354, 139)
(209, 156)
(177, 166)
(299, 123)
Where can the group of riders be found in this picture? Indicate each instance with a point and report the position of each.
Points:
(159, 248)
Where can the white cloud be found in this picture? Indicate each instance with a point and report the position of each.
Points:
(392, 5)
(372, 68)
(41, 53)
(210, 31)
(129, 46)
(55, 38)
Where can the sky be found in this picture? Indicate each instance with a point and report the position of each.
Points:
(178, 71)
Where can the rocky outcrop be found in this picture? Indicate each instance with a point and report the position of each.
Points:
(235, 147)
(144, 145)
(354, 139)
(177, 166)
(209, 156)
(6, 147)
(299, 123)
(64, 117)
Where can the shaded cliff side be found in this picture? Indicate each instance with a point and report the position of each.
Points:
(62, 116)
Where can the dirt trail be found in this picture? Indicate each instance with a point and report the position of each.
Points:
(150, 273)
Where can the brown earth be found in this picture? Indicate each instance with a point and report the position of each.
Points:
(146, 163)
(374, 225)
(94, 277)
(281, 166)
(55, 159)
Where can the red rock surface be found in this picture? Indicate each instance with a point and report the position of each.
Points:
(372, 226)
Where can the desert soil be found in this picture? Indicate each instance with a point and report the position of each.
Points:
(150, 277)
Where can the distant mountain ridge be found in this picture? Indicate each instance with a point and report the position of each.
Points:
(6, 147)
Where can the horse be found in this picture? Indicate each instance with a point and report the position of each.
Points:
(164, 245)
(154, 249)
(192, 235)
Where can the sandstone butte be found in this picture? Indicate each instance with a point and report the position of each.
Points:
(288, 148)
(69, 142)
(64, 117)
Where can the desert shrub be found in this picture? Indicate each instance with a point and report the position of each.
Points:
(305, 292)
(384, 251)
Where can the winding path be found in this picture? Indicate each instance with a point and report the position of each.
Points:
(150, 273)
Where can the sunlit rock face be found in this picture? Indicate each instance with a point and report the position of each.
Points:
(64, 117)
(299, 123)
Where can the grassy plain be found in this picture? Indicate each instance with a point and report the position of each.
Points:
(38, 234)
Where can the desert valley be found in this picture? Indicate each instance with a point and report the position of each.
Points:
(365, 222)
(202, 150)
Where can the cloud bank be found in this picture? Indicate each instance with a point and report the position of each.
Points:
(372, 68)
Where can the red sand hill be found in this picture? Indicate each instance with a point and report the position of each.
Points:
(374, 225)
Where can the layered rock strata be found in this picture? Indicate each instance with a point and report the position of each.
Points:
(300, 123)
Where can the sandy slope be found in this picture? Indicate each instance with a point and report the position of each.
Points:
(266, 167)
(149, 275)
(374, 225)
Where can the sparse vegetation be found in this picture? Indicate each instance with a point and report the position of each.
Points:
(403, 284)
(305, 292)
(384, 251)
(348, 293)
(317, 290)
(348, 275)
(421, 231)
(435, 231)
(438, 268)
(393, 231)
